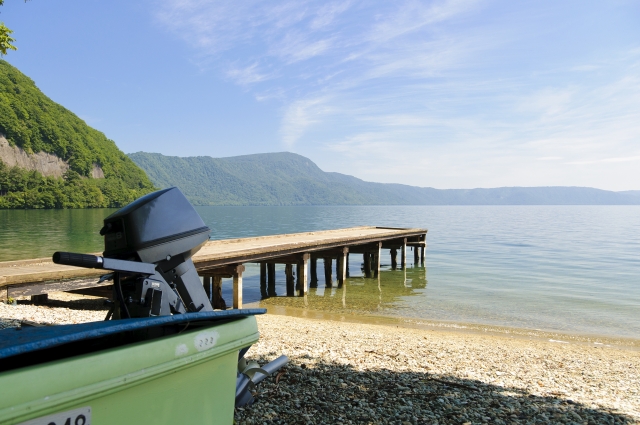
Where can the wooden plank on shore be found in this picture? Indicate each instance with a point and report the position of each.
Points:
(37, 288)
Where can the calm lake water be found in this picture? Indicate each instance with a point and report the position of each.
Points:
(559, 268)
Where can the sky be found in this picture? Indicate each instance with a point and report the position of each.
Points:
(445, 94)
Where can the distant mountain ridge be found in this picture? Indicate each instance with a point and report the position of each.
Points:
(286, 178)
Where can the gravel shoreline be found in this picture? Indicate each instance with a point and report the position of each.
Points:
(355, 373)
(371, 374)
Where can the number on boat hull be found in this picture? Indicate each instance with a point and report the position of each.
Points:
(81, 416)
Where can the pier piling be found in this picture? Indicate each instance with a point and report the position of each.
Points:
(302, 268)
(237, 286)
(403, 254)
(271, 279)
(347, 265)
(341, 267)
(263, 280)
(206, 282)
(216, 293)
(327, 272)
(376, 257)
(394, 258)
(366, 258)
(288, 272)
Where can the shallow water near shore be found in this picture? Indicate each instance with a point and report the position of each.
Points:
(566, 269)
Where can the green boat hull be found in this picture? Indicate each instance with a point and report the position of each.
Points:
(187, 378)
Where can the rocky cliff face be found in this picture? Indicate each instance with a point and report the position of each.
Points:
(46, 163)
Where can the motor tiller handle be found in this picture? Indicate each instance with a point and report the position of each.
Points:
(79, 260)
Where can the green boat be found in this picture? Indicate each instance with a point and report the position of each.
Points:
(179, 369)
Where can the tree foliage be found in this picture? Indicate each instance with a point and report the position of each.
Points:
(20, 188)
(33, 122)
(6, 41)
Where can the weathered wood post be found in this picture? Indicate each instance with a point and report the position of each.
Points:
(302, 275)
(366, 257)
(403, 254)
(271, 279)
(327, 272)
(216, 294)
(314, 273)
(347, 266)
(288, 272)
(237, 286)
(416, 255)
(394, 258)
(206, 282)
(376, 260)
(341, 267)
(263, 280)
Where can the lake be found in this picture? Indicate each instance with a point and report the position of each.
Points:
(572, 269)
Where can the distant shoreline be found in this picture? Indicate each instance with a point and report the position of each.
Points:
(285, 178)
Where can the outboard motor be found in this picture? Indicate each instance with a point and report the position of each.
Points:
(148, 246)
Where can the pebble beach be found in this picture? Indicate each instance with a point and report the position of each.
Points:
(359, 373)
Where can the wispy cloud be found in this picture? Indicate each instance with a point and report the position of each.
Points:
(446, 86)
(299, 116)
(607, 160)
(247, 75)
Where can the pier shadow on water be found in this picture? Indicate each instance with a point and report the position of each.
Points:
(332, 393)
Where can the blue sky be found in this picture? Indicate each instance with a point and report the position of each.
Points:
(446, 94)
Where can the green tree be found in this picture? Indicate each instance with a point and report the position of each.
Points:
(6, 40)
(5, 37)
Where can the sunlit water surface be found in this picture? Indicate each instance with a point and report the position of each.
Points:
(558, 268)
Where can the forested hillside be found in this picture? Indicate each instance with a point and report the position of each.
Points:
(261, 179)
(33, 122)
(290, 179)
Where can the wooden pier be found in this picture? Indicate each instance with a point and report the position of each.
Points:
(226, 258)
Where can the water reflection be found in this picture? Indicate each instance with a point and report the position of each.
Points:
(39, 233)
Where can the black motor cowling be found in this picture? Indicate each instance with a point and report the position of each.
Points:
(155, 226)
(162, 231)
